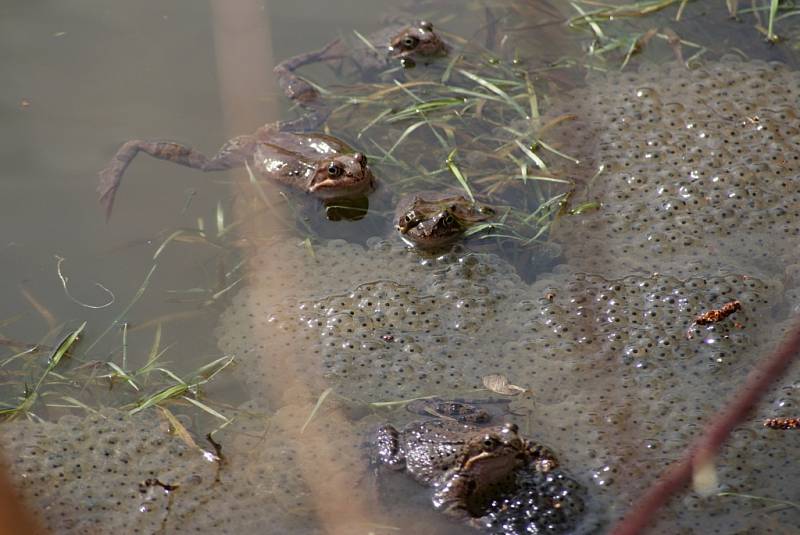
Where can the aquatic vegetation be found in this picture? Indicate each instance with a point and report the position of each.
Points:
(122, 473)
(672, 192)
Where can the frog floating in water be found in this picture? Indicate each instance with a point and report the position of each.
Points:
(317, 164)
(467, 466)
(430, 219)
(403, 43)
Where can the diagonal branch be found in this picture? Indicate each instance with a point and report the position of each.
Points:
(678, 476)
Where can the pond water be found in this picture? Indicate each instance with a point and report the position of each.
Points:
(643, 170)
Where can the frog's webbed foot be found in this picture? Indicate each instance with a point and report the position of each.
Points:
(232, 154)
(457, 510)
(294, 87)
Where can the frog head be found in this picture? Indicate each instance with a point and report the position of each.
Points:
(418, 40)
(343, 175)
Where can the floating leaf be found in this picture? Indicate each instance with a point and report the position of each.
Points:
(499, 385)
(178, 428)
(704, 479)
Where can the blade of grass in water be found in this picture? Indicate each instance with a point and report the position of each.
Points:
(202, 406)
(405, 134)
(374, 121)
(543, 179)
(366, 42)
(152, 356)
(414, 110)
(407, 91)
(316, 408)
(760, 498)
(160, 396)
(773, 10)
(557, 153)
(496, 90)
(118, 371)
(593, 25)
(31, 395)
(532, 98)
(451, 164)
(62, 349)
(220, 219)
(530, 154)
(136, 297)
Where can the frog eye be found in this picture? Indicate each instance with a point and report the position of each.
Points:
(511, 428)
(335, 170)
(409, 42)
(449, 219)
(489, 441)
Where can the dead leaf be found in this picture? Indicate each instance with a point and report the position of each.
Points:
(499, 385)
(178, 428)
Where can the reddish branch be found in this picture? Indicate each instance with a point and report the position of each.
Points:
(678, 476)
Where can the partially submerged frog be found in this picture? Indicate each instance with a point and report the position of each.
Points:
(431, 219)
(459, 411)
(466, 465)
(317, 164)
(402, 43)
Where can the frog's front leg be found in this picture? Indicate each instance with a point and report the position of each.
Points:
(231, 154)
(451, 498)
(297, 89)
(388, 447)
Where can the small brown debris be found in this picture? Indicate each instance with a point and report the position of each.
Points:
(387, 338)
(782, 423)
(718, 314)
(549, 296)
(24, 103)
(154, 482)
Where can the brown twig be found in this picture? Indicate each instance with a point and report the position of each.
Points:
(716, 315)
(677, 476)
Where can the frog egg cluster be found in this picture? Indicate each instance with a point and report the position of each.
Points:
(546, 504)
(699, 170)
(391, 325)
(113, 473)
(624, 381)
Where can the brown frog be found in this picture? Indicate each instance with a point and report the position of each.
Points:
(431, 219)
(466, 465)
(446, 409)
(403, 43)
(317, 164)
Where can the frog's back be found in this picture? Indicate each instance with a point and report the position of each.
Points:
(432, 447)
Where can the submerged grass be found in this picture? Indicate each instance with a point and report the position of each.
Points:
(89, 376)
(476, 130)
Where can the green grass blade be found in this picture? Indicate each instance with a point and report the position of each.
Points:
(206, 408)
(136, 297)
(532, 155)
(496, 90)
(407, 132)
(451, 164)
(160, 397)
(316, 408)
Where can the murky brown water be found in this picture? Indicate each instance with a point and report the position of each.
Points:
(81, 77)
